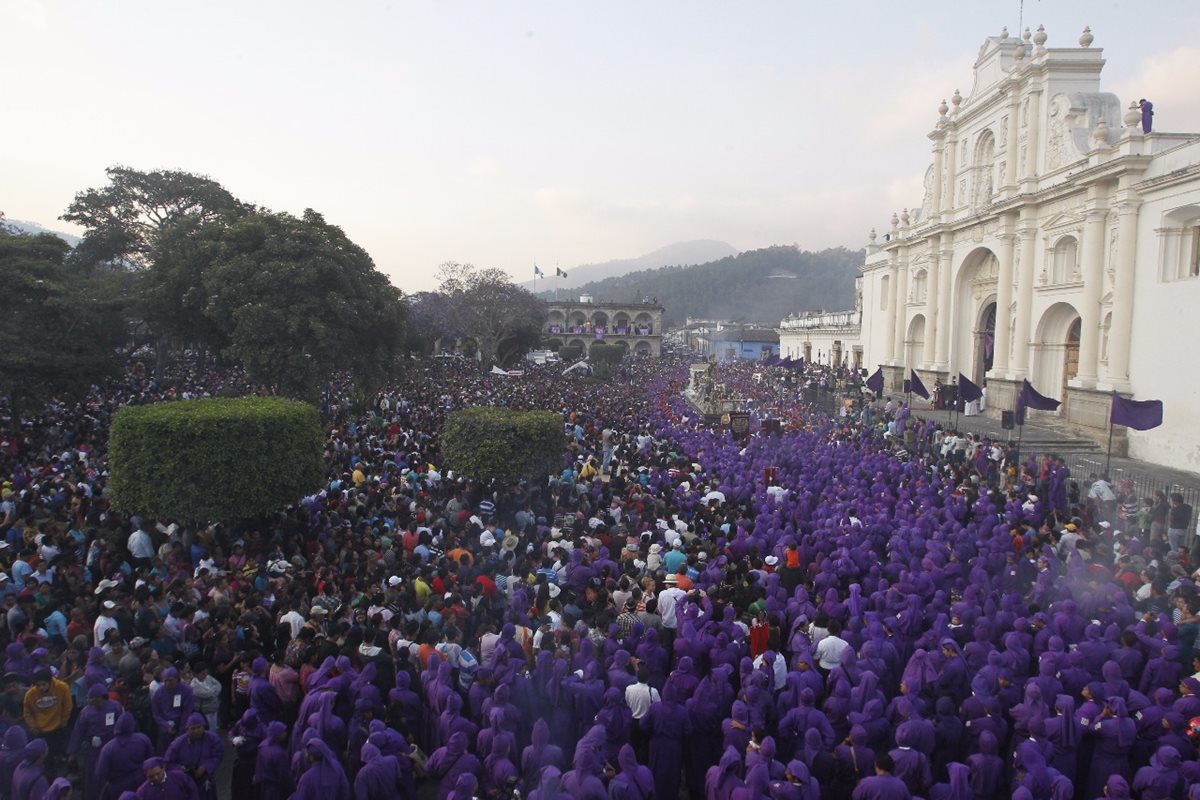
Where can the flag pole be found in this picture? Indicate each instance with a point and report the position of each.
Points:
(1108, 456)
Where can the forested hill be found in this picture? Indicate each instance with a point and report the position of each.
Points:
(758, 285)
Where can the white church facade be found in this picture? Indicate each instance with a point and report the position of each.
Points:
(1055, 242)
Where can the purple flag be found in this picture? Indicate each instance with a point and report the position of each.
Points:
(798, 363)
(1141, 415)
(875, 382)
(918, 388)
(967, 390)
(1029, 397)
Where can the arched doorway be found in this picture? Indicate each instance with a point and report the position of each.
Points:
(1056, 350)
(914, 342)
(985, 342)
(642, 348)
(973, 329)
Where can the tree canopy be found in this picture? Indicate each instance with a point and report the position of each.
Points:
(57, 332)
(486, 306)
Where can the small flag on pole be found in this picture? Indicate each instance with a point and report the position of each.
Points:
(967, 389)
(537, 272)
(559, 272)
(1141, 415)
(875, 382)
(918, 388)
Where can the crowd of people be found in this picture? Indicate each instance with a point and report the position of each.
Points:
(854, 604)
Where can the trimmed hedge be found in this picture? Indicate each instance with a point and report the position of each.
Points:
(502, 444)
(570, 353)
(214, 460)
(602, 353)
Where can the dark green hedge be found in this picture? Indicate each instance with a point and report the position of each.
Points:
(570, 354)
(218, 460)
(602, 353)
(504, 445)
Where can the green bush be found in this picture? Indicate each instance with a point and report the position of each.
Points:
(218, 460)
(570, 353)
(502, 444)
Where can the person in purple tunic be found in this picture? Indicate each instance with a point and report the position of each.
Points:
(634, 781)
(499, 772)
(245, 736)
(165, 782)
(1147, 109)
(198, 752)
(119, 763)
(539, 754)
(668, 725)
(379, 778)
(94, 727)
(451, 760)
(272, 770)
(883, 785)
(585, 780)
(324, 779)
(59, 790)
(12, 752)
(171, 706)
(910, 764)
(722, 779)
(1161, 778)
(549, 786)
(29, 778)
(263, 697)
(464, 788)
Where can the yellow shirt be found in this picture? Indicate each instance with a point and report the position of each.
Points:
(46, 712)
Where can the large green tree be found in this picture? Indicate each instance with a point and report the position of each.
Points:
(124, 219)
(296, 301)
(486, 306)
(57, 332)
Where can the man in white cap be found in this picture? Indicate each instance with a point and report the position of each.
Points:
(104, 622)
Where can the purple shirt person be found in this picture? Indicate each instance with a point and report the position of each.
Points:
(165, 782)
(12, 752)
(272, 769)
(549, 786)
(633, 782)
(882, 785)
(1147, 114)
(198, 752)
(324, 779)
(379, 778)
(29, 778)
(95, 726)
(119, 765)
(450, 761)
(171, 706)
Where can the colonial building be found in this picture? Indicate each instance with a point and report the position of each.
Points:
(1056, 242)
(833, 338)
(583, 322)
(735, 342)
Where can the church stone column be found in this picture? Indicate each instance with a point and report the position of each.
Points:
(951, 147)
(1012, 146)
(1004, 293)
(945, 309)
(901, 330)
(1092, 262)
(939, 147)
(932, 308)
(1121, 329)
(1027, 238)
(1030, 173)
(890, 328)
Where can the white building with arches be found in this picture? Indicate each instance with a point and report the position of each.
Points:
(1055, 242)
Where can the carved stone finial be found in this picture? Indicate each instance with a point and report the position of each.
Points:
(956, 99)
(1004, 34)
(871, 236)
(943, 108)
(904, 218)
(1086, 39)
(1026, 35)
(1100, 135)
(895, 220)
(1019, 52)
(1133, 116)
(1040, 38)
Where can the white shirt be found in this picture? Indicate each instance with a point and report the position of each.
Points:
(829, 651)
(101, 627)
(639, 697)
(667, 600)
(140, 545)
(295, 620)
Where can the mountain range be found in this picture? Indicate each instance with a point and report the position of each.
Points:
(32, 228)
(684, 254)
(761, 286)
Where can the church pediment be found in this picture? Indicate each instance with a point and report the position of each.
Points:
(1063, 220)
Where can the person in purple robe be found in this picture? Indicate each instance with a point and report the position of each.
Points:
(29, 778)
(668, 725)
(1161, 778)
(324, 779)
(245, 736)
(60, 789)
(263, 697)
(736, 730)
(1113, 736)
(549, 786)
(1147, 109)
(957, 785)
(451, 760)
(119, 762)
(272, 779)
(380, 777)
(198, 752)
(1116, 788)
(634, 781)
(585, 779)
(94, 727)
(464, 788)
(165, 782)
(539, 754)
(722, 779)
(910, 764)
(12, 752)
(883, 785)
(171, 706)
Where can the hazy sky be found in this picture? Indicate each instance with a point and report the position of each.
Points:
(507, 132)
